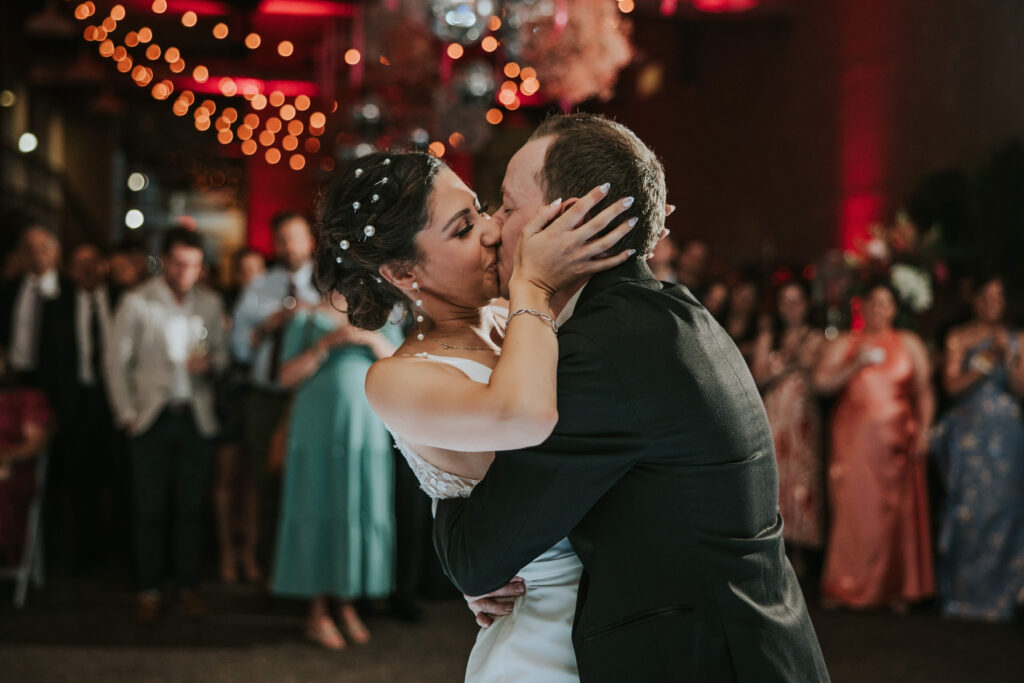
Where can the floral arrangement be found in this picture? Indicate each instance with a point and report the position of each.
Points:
(581, 58)
(902, 255)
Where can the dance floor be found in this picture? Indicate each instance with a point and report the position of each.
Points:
(83, 631)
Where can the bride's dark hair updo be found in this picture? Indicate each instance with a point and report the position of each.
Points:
(369, 215)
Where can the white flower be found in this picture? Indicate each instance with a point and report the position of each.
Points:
(913, 286)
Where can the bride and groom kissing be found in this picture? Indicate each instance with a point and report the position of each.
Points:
(599, 451)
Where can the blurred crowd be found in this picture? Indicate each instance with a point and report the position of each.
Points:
(170, 405)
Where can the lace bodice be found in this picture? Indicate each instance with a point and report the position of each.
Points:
(437, 483)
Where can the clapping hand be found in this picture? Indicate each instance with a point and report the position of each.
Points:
(497, 604)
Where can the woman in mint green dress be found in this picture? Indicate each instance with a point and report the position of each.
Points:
(336, 532)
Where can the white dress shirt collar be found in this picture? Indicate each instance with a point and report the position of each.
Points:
(48, 283)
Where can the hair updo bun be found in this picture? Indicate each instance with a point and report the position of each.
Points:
(369, 215)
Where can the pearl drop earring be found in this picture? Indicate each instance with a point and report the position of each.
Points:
(419, 311)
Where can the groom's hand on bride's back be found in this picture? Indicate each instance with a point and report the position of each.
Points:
(497, 604)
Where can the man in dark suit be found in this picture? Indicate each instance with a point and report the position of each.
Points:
(93, 455)
(30, 303)
(661, 470)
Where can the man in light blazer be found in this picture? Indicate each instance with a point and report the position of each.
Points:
(167, 343)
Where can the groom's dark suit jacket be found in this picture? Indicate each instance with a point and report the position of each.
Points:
(661, 472)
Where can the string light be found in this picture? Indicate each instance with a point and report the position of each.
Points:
(189, 19)
(494, 116)
(295, 127)
(145, 34)
(266, 138)
(249, 147)
(220, 31)
(512, 70)
(494, 23)
(455, 51)
(273, 124)
(159, 6)
(252, 41)
(302, 102)
(276, 98)
(285, 48)
(352, 57)
(317, 120)
(489, 44)
(252, 121)
(201, 74)
(153, 52)
(272, 156)
(287, 112)
(131, 39)
(289, 143)
(297, 162)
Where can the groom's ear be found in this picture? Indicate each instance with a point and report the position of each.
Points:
(399, 277)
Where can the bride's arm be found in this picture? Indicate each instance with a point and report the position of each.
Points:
(436, 405)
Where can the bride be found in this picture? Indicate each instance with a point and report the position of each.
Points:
(402, 229)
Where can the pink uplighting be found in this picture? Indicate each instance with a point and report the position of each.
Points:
(307, 8)
(722, 5)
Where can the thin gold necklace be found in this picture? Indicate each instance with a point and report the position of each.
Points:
(462, 348)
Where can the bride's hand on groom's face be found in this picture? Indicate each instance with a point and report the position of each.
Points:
(557, 250)
(487, 608)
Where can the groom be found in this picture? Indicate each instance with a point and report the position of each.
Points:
(661, 470)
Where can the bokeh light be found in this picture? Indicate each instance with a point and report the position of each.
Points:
(352, 57)
(252, 41)
(285, 48)
(272, 156)
(220, 31)
(189, 19)
(297, 162)
(494, 116)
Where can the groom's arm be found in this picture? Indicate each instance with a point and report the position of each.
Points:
(532, 498)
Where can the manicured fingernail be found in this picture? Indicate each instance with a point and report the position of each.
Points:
(631, 252)
(604, 188)
(671, 209)
(628, 202)
(667, 232)
(555, 203)
(632, 221)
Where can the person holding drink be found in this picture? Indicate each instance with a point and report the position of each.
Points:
(167, 343)
(879, 550)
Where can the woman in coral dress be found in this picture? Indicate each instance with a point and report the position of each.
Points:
(879, 549)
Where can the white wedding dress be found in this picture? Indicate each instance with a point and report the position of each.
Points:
(534, 642)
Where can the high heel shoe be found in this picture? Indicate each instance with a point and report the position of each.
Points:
(324, 633)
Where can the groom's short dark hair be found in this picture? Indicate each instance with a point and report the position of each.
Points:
(588, 150)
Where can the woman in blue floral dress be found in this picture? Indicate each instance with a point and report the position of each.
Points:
(979, 445)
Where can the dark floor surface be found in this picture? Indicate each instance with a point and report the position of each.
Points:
(84, 631)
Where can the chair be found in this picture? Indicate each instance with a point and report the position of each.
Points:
(31, 565)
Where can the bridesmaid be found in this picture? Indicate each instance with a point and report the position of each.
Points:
(879, 549)
(336, 532)
(784, 358)
(980, 448)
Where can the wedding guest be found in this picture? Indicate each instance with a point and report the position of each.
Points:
(129, 266)
(336, 534)
(234, 488)
(261, 315)
(92, 453)
(784, 359)
(879, 548)
(26, 303)
(741, 317)
(25, 425)
(980, 449)
(166, 346)
(662, 261)
(716, 299)
(691, 266)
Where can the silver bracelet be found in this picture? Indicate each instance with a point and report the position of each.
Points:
(537, 314)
